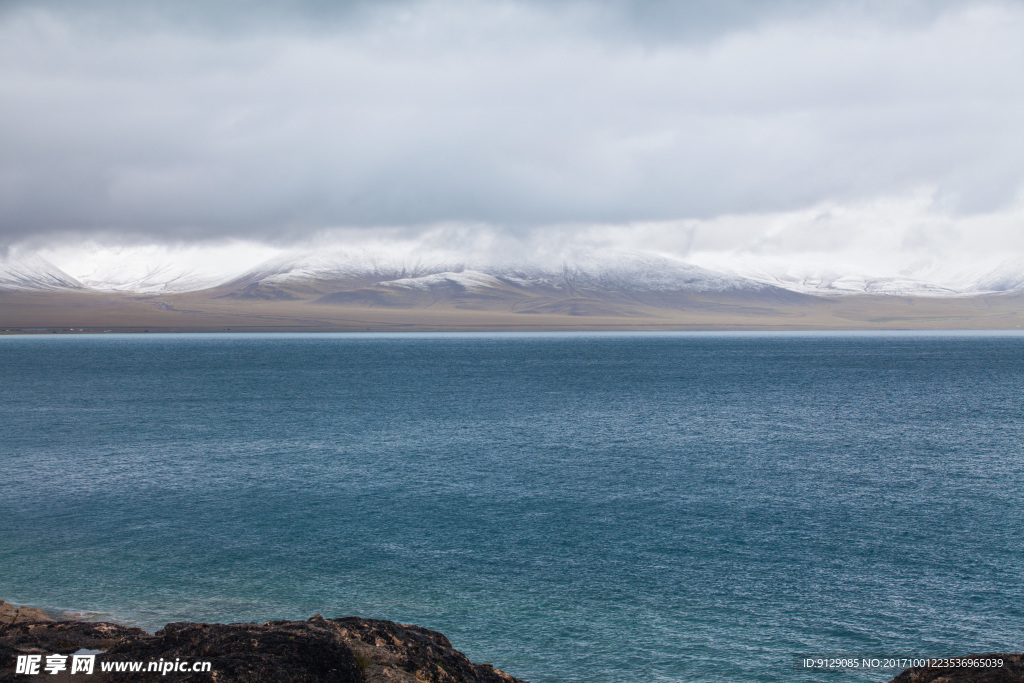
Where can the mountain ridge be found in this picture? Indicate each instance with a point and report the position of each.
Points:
(362, 292)
(33, 272)
(594, 270)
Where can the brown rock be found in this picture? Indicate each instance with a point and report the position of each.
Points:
(344, 650)
(9, 614)
(1012, 671)
(401, 652)
(28, 615)
(65, 637)
(296, 651)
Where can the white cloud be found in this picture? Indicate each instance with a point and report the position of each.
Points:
(909, 237)
(516, 115)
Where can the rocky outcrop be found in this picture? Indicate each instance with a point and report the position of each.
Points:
(1012, 671)
(9, 614)
(65, 637)
(348, 650)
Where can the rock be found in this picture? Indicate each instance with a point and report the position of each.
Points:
(28, 615)
(401, 652)
(1012, 671)
(349, 650)
(296, 651)
(9, 614)
(8, 656)
(65, 637)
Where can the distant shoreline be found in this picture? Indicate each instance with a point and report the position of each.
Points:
(48, 332)
(210, 311)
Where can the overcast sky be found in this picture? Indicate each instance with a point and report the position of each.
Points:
(719, 125)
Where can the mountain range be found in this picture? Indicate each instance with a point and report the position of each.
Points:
(625, 271)
(605, 290)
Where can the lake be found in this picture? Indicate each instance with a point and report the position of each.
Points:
(591, 507)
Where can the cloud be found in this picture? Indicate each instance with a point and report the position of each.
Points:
(906, 236)
(245, 120)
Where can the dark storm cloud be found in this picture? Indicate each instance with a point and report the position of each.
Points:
(268, 120)
(668, 19)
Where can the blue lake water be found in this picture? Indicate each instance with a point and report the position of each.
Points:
(568, 507)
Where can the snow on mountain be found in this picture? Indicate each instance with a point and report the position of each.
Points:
(340, 265)
(150, 269)
(830, 282)
(632, 271)
(926, 280)
(466, 279)
(1006, 277)
(149, 279)
(32, 272)
(637, 271)
(153, 269)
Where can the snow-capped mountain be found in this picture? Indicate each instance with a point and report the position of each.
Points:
(596, 271)
(832, 282)
(630, 272)
(340, 265)
(927, 280)
(1006, 277)
(155, 269)
(146, 278)
(290, 274)
(32, 272)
